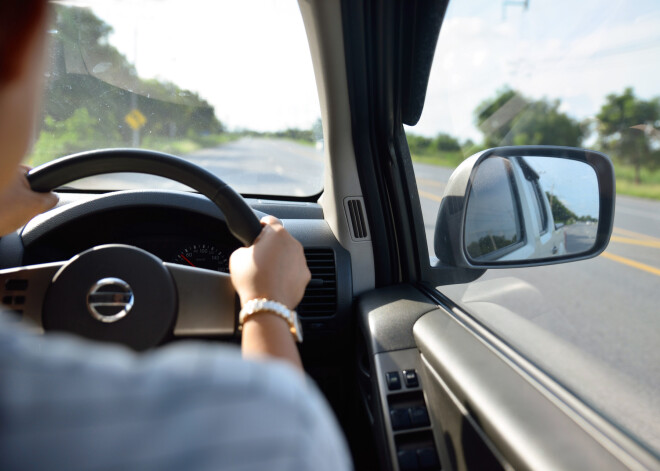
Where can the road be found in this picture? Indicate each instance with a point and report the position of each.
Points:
(250, 166)
(580, 237)
(594, 324)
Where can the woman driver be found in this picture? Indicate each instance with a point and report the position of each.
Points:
(71, 404)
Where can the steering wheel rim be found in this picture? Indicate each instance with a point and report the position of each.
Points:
(154, 298)
(241, 220)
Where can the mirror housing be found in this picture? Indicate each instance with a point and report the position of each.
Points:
(469, 230)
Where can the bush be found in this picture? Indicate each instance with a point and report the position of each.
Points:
(419, 144)
(77, 133)
(445, 142)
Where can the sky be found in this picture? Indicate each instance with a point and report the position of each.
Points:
(575, 51)
(250, 59)
(574, 183)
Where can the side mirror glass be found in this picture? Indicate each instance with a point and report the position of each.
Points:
(529, 208)
(524, 206)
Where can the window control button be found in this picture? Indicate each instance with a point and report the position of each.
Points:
(8, 300)
(410, 378)
(400, 419)
(393, 380)
(419, 417)
(427, 458)
(407, 460)
(16, 285)
(19, 300)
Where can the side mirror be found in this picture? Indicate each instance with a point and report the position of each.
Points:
(526, 206)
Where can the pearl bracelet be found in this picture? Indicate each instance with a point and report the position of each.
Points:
(255, 306)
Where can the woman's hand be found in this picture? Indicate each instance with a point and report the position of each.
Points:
(19, 204)
(274, 267)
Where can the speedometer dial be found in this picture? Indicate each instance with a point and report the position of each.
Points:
(203, 256)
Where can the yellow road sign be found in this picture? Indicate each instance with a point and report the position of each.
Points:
(135, 119)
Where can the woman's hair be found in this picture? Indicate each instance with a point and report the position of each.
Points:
(18, 22)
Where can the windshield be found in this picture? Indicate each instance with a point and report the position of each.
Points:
(226, 85)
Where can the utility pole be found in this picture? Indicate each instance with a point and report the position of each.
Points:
(134, 118)
(514, 3)
(134, 104)
(136, 130)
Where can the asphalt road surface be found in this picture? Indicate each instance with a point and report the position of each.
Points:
(594, 325)
(580, 237)
(250, 166)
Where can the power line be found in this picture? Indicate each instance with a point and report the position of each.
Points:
(514, 3)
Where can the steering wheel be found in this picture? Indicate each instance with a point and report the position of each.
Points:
(120, 293)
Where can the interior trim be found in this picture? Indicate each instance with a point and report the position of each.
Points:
(517, 404)
(387, 316)
(326, 43)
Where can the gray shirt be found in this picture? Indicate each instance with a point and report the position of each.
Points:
(70, 404)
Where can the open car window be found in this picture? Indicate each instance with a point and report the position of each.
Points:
(566, 74)
(208, 82)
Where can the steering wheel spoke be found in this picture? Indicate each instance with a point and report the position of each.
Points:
(207, 301)
(22, 290)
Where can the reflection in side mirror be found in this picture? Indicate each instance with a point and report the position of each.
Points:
(522, 208)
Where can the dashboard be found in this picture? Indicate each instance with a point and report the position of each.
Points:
(187, 229)
(173, 235)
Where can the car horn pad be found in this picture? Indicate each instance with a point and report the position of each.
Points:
(113, 293)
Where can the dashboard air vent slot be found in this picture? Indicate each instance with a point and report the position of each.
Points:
(320, 298)
(357, 221)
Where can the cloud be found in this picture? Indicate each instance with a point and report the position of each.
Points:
(540, 57)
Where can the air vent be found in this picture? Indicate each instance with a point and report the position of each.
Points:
(356, 218)
(320, 298)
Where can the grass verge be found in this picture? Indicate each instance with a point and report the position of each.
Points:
(642, 190)
(302, 142)
(50, 147)
(445, 159)
(184, 146)
(625, 182)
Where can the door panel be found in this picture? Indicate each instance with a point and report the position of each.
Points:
(488, 405)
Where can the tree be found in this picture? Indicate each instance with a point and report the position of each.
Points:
(78, 132)
(419, 144)
(494, 117)
(626, 129)
(90, 74)
(442, 142)
(560, 213)
(85, 37)
(511, 119)
(445, 142)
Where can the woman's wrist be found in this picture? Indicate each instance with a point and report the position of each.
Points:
(255, 307)
(267, 335)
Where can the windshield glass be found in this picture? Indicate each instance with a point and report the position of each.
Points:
(227, 85)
